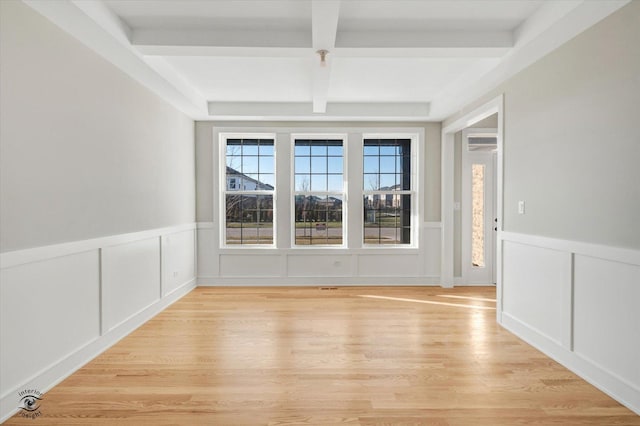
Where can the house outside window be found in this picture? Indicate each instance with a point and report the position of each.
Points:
(387, 191)
(249, 192)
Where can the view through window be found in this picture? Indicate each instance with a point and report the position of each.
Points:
(249, 191)
(318, 191)
(387, 191)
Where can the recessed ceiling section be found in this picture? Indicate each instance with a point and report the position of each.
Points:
(394, 15)
(387, 59)
(395, 79)
(247, 79)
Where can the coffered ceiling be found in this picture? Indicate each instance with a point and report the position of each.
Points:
(418, 60)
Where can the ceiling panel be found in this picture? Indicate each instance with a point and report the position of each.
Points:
(247, 79)
(396, 79)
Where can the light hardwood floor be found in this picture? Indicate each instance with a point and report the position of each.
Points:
(356, 356)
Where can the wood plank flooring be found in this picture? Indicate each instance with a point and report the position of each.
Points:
(353, 356)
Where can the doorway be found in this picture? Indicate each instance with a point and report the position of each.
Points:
(478, 206)
(494, 106)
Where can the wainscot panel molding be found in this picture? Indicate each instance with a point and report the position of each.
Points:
(576, 302)
(74, 300)
(318, 266)
(19, 257)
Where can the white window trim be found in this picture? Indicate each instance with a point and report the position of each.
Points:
(222, 190)
(417, 197)
(343, 194)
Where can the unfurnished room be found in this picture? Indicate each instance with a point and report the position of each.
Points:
(319, 212)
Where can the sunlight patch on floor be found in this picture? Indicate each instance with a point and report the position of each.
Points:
(429, 302)
(480, 299)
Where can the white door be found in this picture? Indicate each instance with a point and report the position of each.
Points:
(479, 223)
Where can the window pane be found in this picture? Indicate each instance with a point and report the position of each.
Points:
(302, 148)
(372, 182)
(387, 218)
(249, 147)
(390, 159)
(334, 183)
(318, 220)
(265, 148)
(387, 164)
(318, 182)
(371, 165)
(477, 215)
(318, 148)
(335, 150)
(387, 182)
(248, 161)
(389, 149)
(319, 164)
(249, 164)
(303, 165)
(265, 164)
(249, 219)
(250, 167)
(318, 216)
(303, 183)
(267, 181)
(370, 149)
(334, 165)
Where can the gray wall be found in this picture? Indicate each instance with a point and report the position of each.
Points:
(204, 144)
(572, 144)
(84, 150)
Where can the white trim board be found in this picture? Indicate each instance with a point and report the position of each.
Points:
(36, 254)
(600, 251)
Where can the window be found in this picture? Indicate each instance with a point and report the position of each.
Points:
(249, 191)
(387, 191)
(318, 191)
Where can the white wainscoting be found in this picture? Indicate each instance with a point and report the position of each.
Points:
(62, 305)
(321, 266)
(577, 303)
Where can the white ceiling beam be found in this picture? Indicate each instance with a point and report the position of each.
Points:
(336, 52)
(324, 15)
(324, 27)
(425, 39)
(304, 110)
(95, 25)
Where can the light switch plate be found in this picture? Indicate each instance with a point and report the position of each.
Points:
(520, 207)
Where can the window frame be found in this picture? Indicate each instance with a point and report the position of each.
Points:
(223, 192)
(413, 190)
(344, 194)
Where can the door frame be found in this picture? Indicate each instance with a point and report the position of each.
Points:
(495, 105)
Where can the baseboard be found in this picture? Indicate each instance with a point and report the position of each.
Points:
(54, 374)
(210, 281)
(614, 386)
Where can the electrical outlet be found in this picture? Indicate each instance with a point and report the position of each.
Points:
(175, 274)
